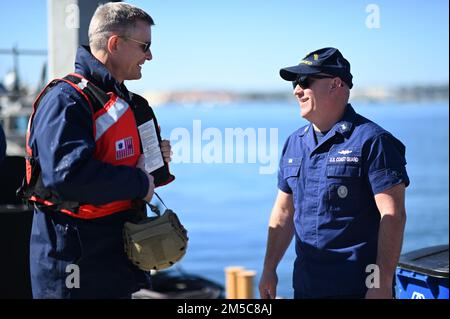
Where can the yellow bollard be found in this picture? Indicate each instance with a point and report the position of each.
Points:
(245, 284)
(231, 281)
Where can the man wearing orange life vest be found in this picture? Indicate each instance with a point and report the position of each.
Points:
(89, 154)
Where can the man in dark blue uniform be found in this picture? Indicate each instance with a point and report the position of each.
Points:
(63, 143)
(341, 181)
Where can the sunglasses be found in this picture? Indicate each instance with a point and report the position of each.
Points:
(305, 81)
(145, 45)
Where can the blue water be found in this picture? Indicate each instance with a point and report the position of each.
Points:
(226, 207)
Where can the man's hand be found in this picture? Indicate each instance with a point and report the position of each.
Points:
(141, 163)
(384, 292)
(151, 184)
(268, 285)
(151, 188)
(166, 150)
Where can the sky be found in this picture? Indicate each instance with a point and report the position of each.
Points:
(240, 45)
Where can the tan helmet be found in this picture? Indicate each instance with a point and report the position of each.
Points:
(156, 242)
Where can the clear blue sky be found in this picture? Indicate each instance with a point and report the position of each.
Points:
(241, 44)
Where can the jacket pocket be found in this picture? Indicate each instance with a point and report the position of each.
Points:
(67, 244)
(344, 185)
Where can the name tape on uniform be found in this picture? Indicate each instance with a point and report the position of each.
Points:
(343, 159)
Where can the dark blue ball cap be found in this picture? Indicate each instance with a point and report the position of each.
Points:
(326, 60)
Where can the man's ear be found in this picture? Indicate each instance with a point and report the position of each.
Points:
(336, 83)
(112, 44)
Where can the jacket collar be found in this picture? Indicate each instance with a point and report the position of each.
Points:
(345, 125)
(342, 127)
(96, 72)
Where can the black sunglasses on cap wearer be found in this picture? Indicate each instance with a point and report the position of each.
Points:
(145, 45)
(305, 81)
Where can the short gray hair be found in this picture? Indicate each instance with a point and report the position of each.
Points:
(114, 17)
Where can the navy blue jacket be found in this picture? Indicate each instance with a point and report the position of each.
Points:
(333, 184)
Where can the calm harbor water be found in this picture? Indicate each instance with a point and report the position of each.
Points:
(226, 206)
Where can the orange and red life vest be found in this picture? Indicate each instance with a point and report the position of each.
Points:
(117, 142)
